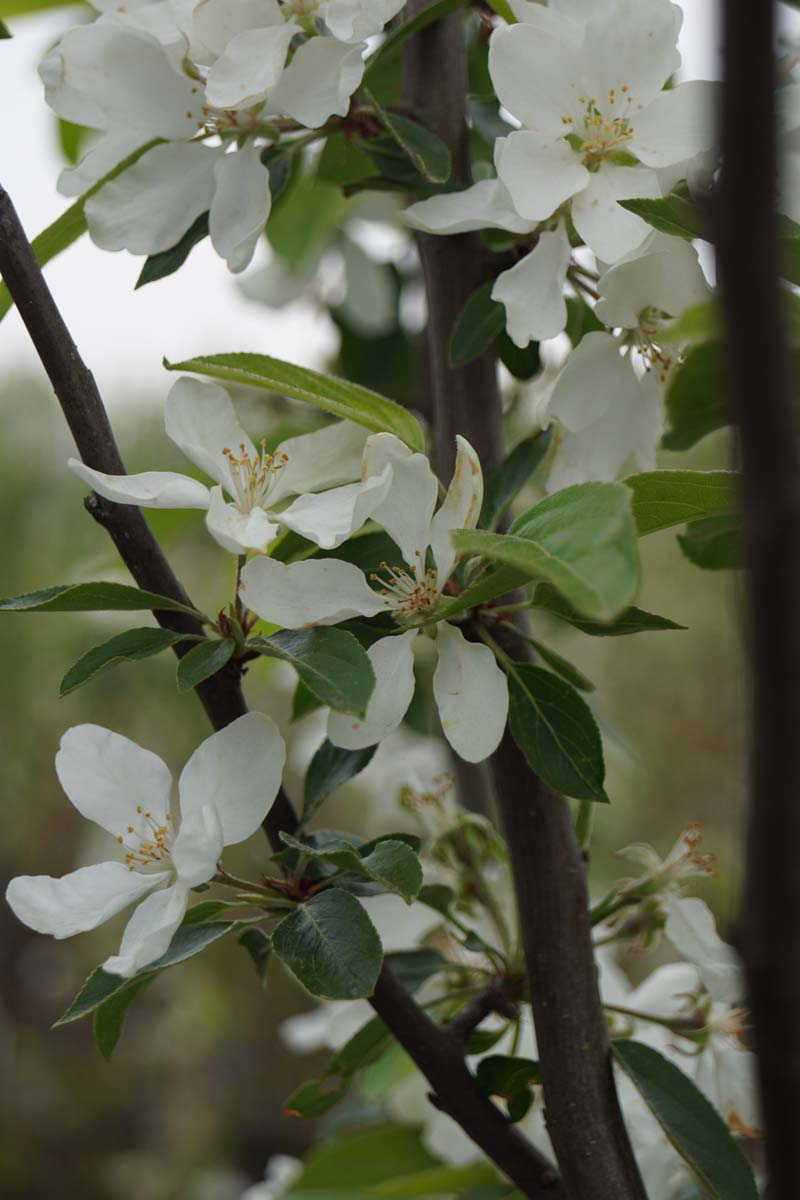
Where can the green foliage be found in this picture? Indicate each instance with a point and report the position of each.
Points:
(331, 946)
(71, 139)
(505, 484)
(477, 325)
(309, 213)
(203, 661)
(388, 862)
(317, 1096)
(424, 149)
(131, 646)
(523, 364)
(91, 597)
(672, 215)
(665, 498)
(167, 262)
(562, 666)
(714, 543)
(354, 1164)
(393, 41)
(259, 946)
(694, 1127)
(331, 767)
(581, 320)
(511, 1079)
(415, 967)
(581, 539)
(109, 1017)
(343, 399)
(695, 399)
(632, 620)
(344, 160)
(555, 730)
(331, 663)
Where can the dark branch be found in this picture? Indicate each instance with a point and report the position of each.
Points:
(583, 1114)
(74, 385)
(493, 998)
(764, 405)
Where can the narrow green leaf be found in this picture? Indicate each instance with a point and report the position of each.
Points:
(72, 223)
(359, 1159)
(259, 946)
(109, 1017)
(331, 767)
(317, 1096)
(632, 620)
(426, 151)
(167, 262)
(415, 967)
(476, 327)
(581, 539)
(695, 399)
(130, 646)
(206, 910)
(331, 946)
(581, 320)
(505, 484)
(664, 498)
(672, 215)
(331, 663)
(522, 363)
(714, 543)
(492, 583)
(691, 1123)
(414, 24)
(555, 730)
(562, 667)
(203, 661)
(91, 597)
(347, 400)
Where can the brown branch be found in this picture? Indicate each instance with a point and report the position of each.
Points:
(494, 997)
(764, 404)
(437, 1053)
(583, 1115)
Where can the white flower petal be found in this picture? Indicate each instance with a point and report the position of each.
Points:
(238, 771)
(216, 22)
(537, 74)
(691, 928)
(240, 207)
(329, 518)
(540, 173)
(198, 846)
(356, 20)
(296, 595)
(250, 66)
(112, 781)
(101, 157)
(609, 230)
(149, 207)
(533, 290)
(393, 661)
(664, 991)
(471, 693)
(150, 489)
(485, 205)
(664, 273)
(201, 420)
(320, 459)
(726, 1072)
(590, 380)
(460, 509)
(319, 81)
(123, 77)
(677, 125)
(236, 531)
(407, 510)
(630, 44)
(149, 931)
(79, 901)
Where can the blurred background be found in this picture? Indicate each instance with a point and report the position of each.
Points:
(191, 1106)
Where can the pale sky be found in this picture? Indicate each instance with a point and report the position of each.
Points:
(123, 334)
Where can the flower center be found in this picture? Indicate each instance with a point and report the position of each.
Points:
(253, 476)
(597, 131)
(150, 849)
(413, 593)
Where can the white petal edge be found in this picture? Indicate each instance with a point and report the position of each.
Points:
(471, 693)
(460, 509)
(532, 292)
(319, 81)
(236, 531)
(79, 901)
(149, 931)
(302, 594)
(202, 422)
(240, 207)
(150, 489)
(329, 518)
(485, 205)
(392, 659)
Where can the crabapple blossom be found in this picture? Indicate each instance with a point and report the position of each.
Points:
(224, 793)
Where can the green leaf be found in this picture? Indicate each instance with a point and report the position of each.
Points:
(436, 1181)
(331, 946)
(476, 327)
(72, 223)
(562, 667)
(109, 1017)
(415, 967)
(664, 498)
(71, 139)
(522, 363)
(309, 213)
(414, 24)
(344, 160)
(581, 320)
(714, 543)
(331, 663)
(190, 939)
(505, 484)
(491, 584)
(581, 539)
(437, 896)
(130, 646)
(691, 1123)
(317, 1096)
(426, 151)
(395, 867)
(632, 620)
(555, 730)
(331, 767)
(511, 1079)
(5, 32)
(672, 215)
(303, 701)
(695, 399)
(167, 262)
(203, 661)
(91, 597)
(206, 910)
(347, 400)
(259, 946)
